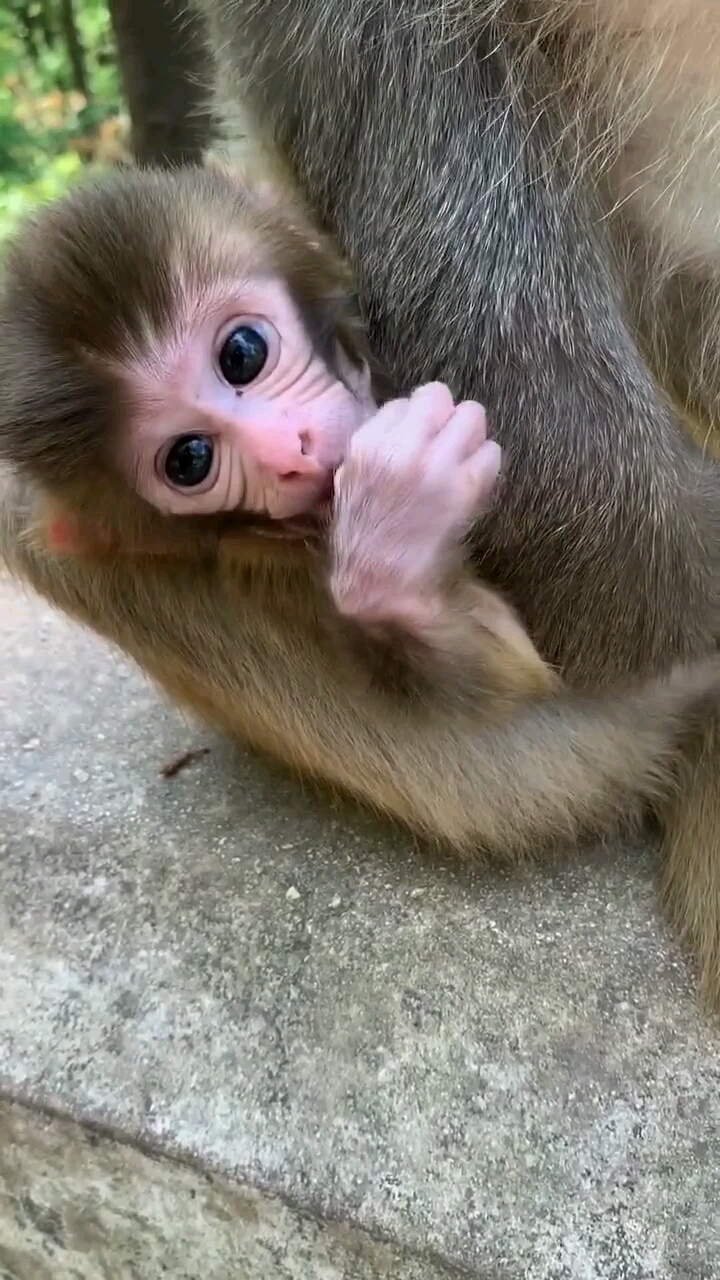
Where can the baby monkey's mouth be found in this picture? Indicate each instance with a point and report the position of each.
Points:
(311, 524)
(307, 526)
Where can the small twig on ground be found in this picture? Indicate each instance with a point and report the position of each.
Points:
(182, 761)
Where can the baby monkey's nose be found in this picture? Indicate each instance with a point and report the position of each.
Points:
(282, 445)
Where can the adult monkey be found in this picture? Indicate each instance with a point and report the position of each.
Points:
(467, 156)
(434, 140)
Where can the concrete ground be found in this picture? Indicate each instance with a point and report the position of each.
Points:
(244, 1033)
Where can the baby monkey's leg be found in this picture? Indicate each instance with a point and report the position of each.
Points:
(475, 645)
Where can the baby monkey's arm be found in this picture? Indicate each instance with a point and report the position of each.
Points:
(416, 478)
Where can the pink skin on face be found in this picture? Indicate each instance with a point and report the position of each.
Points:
(276, 441)
(410, 479)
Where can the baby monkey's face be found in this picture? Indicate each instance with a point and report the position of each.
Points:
(239, 410)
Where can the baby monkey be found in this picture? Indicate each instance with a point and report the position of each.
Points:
(183, 371)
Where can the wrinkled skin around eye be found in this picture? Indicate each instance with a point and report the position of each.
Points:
(409, 480)
(268, 444)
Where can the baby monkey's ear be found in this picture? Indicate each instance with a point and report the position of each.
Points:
(355, 373)
(63, 533)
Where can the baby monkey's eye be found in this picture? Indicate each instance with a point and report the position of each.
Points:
(243, 355)
(189, 461)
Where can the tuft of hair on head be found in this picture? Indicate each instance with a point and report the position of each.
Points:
(95, 281)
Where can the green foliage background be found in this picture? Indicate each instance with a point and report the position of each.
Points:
(50, 130)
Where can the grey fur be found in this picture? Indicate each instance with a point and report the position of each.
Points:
(480, 261)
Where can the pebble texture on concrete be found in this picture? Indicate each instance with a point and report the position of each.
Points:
(75, 1205)
(506, 1071)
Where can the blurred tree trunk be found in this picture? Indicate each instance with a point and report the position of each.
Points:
(165, 71)
(76, 51)
(45, 20)
(27, 29)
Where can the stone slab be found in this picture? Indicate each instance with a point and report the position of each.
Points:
(502, 1072)
(78, 1205)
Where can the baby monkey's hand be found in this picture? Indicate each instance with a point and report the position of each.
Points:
(415, 479)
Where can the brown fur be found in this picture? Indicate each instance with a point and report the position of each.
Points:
(477, 162)
(92, 280)
(102, 279)
(248, 649)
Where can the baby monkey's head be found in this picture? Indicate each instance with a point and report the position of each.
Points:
(187, 334)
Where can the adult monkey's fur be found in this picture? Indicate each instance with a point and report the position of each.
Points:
(464, 155)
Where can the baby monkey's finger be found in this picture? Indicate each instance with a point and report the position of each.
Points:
(399, 433)
(374, 434)
(430, 408)
(465, 432)
(427, 413)
(479, 476)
